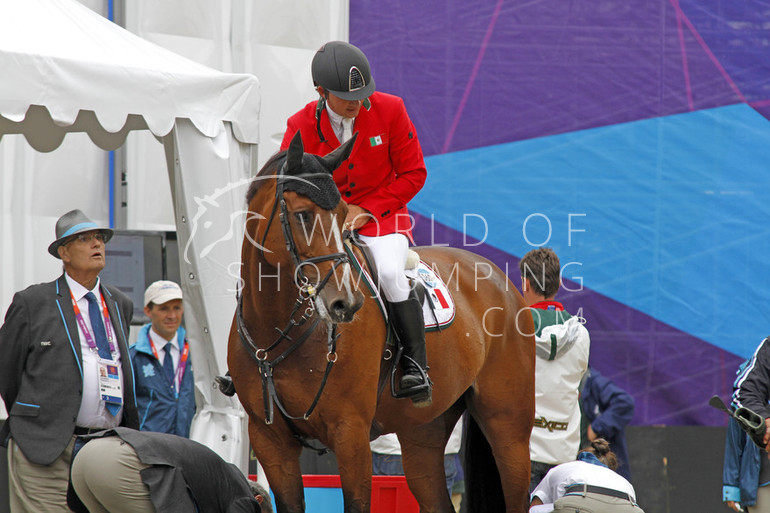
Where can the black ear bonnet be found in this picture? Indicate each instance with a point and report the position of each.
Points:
(312, 179)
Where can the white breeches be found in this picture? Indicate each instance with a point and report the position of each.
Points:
(388, 254)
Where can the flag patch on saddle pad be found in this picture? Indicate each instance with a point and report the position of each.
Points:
(376, 140)
(439, 307)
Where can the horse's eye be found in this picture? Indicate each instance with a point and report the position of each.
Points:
(303, 216)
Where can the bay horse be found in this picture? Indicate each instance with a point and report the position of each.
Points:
(308, 341)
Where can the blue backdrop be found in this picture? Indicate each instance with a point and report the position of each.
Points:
(630, 136)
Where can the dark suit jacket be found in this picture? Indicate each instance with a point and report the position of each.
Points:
(183, 476)
(41, 367)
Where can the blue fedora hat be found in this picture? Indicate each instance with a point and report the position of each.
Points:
(72, 223)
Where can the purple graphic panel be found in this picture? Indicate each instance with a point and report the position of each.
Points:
(487, 72)
(670, 374)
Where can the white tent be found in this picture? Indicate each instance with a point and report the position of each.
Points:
(67, 70)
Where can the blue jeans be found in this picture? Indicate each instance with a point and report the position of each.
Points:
(538, 470)
(390, 465)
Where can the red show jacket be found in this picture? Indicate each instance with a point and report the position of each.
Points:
(386, 168)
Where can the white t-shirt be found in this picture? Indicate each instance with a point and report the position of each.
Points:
(557, 479)
(388, 444)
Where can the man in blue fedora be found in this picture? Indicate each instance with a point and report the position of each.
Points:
(65, 368)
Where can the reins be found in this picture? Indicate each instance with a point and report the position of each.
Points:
(307, 294)
(270, 395)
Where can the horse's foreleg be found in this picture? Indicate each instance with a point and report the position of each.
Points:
(354, 459)
(278, 453)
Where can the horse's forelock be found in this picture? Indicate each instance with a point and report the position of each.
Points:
(311, 164)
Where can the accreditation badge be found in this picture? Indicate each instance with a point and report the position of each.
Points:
(109, 383)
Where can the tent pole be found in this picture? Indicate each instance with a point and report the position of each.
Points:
(117, 159)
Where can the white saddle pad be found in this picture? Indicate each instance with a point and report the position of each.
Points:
(439, 305)
(438, 308)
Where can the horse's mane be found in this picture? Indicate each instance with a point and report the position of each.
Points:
(270, 168)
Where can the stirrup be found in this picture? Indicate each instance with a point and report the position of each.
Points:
(421, 394)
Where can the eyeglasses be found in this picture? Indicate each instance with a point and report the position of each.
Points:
(88, 237)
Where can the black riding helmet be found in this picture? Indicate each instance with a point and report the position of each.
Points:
(343, 70)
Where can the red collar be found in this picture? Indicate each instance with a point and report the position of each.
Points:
(546, 305)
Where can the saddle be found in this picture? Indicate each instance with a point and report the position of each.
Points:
(437, 303)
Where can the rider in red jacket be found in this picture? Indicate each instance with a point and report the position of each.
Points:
(385, 170)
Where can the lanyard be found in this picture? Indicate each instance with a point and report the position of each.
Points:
(84, 327)
(180, 369)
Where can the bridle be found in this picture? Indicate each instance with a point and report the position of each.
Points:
(307, 296)
(291, 246)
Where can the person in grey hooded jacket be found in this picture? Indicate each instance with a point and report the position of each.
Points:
(562, 347)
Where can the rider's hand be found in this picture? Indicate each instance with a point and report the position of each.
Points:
(734, 506)
(356, 218)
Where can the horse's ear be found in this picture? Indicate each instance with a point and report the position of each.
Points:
(335, 158)
(294, 154)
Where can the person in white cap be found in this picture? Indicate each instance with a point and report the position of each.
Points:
(64, 366)
(165, 389)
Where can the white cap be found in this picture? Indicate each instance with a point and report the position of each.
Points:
(161, 292)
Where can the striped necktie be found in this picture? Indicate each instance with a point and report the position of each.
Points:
(97, 326)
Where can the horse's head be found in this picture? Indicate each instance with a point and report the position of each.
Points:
(296, 223)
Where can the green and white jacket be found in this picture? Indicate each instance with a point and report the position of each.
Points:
(562, 347)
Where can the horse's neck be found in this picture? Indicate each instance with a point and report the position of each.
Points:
(267, 290)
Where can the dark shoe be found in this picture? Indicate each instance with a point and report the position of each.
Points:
(412, 379)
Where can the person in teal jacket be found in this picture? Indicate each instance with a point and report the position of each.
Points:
(165, 389)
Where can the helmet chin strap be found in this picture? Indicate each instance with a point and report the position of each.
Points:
(319, 107)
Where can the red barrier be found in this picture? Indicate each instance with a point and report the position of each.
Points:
(390, 494)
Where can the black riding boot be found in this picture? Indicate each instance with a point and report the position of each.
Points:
(410, 329)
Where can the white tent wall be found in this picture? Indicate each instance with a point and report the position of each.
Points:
(35, 189)
(272, 40)
(198, 30)
(276, 42)
(210, 217)
(209, 125)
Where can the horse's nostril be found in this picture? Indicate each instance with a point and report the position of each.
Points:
(338, 308)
